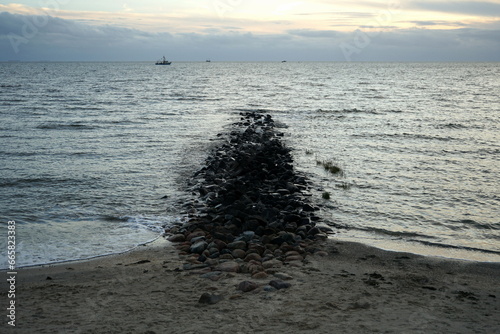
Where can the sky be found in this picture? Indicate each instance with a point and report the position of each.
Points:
(244, 30)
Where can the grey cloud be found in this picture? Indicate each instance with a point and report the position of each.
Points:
(481, 8)
(435, 23)
(377, 27)
(61, 39)
(313, 33)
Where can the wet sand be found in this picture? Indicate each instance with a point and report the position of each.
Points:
(354, 289)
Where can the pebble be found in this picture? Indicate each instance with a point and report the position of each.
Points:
(279, 284)
(230, 266)
(211, 274)
(294, 258)
(272, 264)
(247, 286)
(260, 275)
(209, 299)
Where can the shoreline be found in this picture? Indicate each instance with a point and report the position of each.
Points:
(255, 257)
(400, 246)
(354, 288)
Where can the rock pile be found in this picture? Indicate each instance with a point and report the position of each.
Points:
(253, 212)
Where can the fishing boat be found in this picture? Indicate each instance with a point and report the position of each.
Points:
(163, 61)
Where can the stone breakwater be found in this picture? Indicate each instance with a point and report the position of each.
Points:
(253, 213)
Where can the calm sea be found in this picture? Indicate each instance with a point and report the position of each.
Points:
(94, 155)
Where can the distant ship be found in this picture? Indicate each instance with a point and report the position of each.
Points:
(163, 61)
(208, 60)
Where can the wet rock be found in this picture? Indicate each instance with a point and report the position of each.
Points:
(198, 247)
(251, 205)
(195, 234)
(177, 238)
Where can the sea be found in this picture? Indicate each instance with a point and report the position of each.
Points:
(94, 156)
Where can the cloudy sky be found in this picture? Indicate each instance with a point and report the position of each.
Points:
(244, 30)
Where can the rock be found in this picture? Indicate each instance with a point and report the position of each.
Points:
(308, 208)
(238, 253)
(198, 247)
(259, 275)
(268, 288)
(196, 239)
(279, 284)
(237, 245)
(246, 236)
(209, 299)
(177, 238)
(229, 266)
(195, 234)
(251, 204)
(226, 257)
(292, 253)
(253, 256)
(254, 268)
(294, 258)
(211, 274)
(247, 286)
(272, 264)
(314, 231)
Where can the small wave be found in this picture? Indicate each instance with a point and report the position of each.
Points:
(348, 111)
(469, 223)
(29, 182)
(390, 111)
(83, 108)
(257, 110)
(401, 234)
(451, 126)
(12, 100)
(416, 136)
(9, 86)
(467, 248)
(19, 154)
(58, 126)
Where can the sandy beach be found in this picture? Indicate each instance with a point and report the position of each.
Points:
(353, 289)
